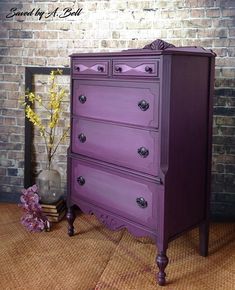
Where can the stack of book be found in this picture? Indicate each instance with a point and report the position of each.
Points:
(54, 212)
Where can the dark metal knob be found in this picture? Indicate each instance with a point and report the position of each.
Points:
(141, 202)
(82, 138)
(77, 68)
(82, 99)
(143, 152)
(100, 68)
(143, 105)
(118, 69)
(81, 180)
(148, 69)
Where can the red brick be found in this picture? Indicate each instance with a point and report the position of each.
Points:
(2, 171)
(231, 52)
(223, 23)
(197, 13)
(11, 78)
(228, 12)
(11, 60)
(197, 23)
(35, 61)
(20, 121)
(228, 73)
(199, 3)
(223, 42)
(14, 104)
(45, 34)
(231, 42)
(225, 61)
(9, 121)
(46, 52)
(37, 25)
(10, 86)
(16, 155)
(16, 138)
(4, 34)
(212, 33)
(221, 52)
(232, 32)
(10, 69)
(214, 12)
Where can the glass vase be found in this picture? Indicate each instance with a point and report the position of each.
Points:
(49, 186)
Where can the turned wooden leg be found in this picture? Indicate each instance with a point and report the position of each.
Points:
(162, 261)
(203, 239)
(70, 218)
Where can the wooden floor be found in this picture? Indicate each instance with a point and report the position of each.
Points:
(99, 259)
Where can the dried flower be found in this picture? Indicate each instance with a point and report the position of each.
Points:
(33, 218)
(53, 108)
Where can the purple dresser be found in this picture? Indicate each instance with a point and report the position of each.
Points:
(140, 152)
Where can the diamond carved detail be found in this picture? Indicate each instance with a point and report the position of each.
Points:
(139, 68)
(83, 67)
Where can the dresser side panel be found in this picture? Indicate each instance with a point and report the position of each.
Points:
(186, 179)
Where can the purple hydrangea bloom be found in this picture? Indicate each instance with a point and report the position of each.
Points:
(33, 218)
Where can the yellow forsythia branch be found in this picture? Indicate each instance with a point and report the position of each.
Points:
(47, 128)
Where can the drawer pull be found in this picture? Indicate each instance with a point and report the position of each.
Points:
(82, 99)
(118, 69)
(81, 180)
(143, 152)
(100, 68)
(77, 68)
(82, 138)
(148, 69)
(141, 202)
(143, 105)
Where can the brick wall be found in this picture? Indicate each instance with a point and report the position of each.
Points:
(109, 26)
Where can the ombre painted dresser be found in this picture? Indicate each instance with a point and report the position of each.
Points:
(140, 151)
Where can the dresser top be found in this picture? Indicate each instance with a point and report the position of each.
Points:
(187, 50)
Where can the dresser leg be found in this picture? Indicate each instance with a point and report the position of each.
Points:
(203, 239)
(70, 219)
(162, 261)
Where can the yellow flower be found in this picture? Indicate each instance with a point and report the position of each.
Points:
(52, 106)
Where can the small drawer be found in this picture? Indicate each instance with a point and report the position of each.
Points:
(91, 67)
(129, 147)
(126, 102)
(126, 195)
(141, 68)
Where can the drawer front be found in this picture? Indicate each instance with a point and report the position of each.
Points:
(126, 102)
(128, 196)
(129, 147)
(91, 67)
(142, 68)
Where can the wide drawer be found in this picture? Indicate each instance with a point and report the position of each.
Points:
(129, 147)
(91, 67)
(126, 102)
(136, 67)
(125, 195)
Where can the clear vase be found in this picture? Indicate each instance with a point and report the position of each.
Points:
(49, 186)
